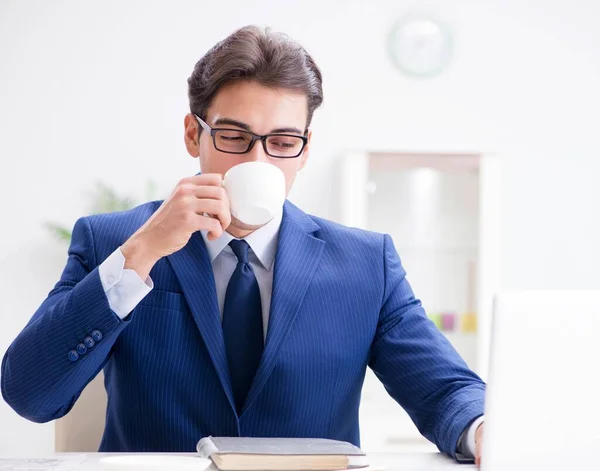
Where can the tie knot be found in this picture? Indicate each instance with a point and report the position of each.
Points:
(240, 249)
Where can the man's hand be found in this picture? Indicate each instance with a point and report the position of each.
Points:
(478, 444)
(188, 209)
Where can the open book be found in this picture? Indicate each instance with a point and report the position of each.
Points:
(280, 454)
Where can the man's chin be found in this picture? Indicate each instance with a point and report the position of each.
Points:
(241, 226)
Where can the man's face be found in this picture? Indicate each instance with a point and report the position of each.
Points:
(262, 110)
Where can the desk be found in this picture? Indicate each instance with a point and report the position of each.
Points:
(387, 462)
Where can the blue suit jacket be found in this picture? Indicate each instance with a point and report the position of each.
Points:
(340, 303)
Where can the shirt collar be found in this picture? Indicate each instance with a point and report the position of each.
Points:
(263, 242)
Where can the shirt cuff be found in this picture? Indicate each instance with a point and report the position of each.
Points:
(466, 442)
(123, 287)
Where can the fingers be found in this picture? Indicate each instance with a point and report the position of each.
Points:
(206, 197)
(478, 443)
(212, 225)
(190, 190)
(210, 192)
(217, 208)
(208, 179)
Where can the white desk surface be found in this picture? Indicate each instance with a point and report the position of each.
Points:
(384, 462)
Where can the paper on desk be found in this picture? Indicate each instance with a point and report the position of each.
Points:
(64, 463)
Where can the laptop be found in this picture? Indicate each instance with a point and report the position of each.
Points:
(543, 396)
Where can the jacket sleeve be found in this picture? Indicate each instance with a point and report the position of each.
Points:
(67, 341)
(418, 366)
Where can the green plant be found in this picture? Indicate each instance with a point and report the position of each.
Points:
(103, 199)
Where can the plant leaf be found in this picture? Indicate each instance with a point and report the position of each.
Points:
(60, 232)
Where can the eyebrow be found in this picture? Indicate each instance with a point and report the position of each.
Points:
(246, 127)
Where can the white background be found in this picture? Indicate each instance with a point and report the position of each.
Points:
(96, 90)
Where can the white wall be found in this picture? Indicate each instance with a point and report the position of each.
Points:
(97, 90)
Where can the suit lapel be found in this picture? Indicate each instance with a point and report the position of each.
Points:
(195, 274)
(298, 256)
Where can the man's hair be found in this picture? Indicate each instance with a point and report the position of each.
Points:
(260, 55)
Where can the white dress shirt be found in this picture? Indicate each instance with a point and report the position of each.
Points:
(466, 442)
(263, 246)
(125, 289)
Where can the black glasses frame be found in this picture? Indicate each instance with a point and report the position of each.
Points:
(255, 137)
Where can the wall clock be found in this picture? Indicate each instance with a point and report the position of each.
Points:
(420, 46)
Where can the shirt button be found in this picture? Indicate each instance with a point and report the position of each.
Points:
(89, 342)
(97, 335)
(81, 349)
(73, 355)
(110, 279)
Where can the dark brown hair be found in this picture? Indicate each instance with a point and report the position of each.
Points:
(252, 53)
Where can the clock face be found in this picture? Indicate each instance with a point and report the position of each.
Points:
(420, 46)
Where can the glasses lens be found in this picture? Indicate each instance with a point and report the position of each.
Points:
(284, 146)
(232, 141)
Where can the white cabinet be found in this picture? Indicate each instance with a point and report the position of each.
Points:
(431, 206)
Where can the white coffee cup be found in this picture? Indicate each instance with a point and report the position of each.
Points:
(256, 192)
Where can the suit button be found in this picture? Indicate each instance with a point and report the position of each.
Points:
(81, 349)
(97, 335)
(73, 355)
(89, 342)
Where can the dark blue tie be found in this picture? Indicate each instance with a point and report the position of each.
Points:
(242, 324)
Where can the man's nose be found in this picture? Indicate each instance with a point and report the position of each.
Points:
(257, 153)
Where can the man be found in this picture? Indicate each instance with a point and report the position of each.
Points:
(156, 296)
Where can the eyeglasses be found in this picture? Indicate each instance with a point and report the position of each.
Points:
(235, 141)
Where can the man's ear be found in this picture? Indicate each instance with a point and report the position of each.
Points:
(191, 136)
(306, 151)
